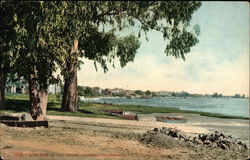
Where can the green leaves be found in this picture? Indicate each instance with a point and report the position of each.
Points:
(7, 36)
(81, 20)
(34, 54)
(126, 49)
(180, 44)
(42, 33)
(197, 29)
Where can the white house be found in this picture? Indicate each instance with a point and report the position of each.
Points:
(54, 89)
(21, 86)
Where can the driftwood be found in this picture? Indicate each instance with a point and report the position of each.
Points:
(16, 121)
(25, 123)
(7, 117)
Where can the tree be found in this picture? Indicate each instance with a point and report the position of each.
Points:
(79, 21)
(148, 92)
(173, 94)
(7, 37)
(237, 95)
(81, 27)
(36, 58)
(154, 94)
(139, 92)
(50, 32)
(216, 95)
(88, 92)
(184, 94)
(80, 90)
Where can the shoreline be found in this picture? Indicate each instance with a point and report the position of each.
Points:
(20, 104)
(196, 124)
(177, 110)
(85, 135)
(172, 109)
(178, 107)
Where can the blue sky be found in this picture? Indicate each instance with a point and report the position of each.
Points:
(218, 63)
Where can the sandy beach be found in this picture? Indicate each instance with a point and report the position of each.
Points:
(97, 138)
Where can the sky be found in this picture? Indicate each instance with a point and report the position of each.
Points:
(218, 63)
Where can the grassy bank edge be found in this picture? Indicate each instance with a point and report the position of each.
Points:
(17, 103)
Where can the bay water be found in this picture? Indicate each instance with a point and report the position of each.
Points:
(225, 106)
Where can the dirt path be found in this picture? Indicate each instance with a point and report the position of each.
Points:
(96, 138)
(65, 143)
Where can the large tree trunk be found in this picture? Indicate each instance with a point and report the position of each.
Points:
(2, 89)
(38, 100)
(69, 102)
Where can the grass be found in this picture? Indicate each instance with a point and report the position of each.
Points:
(19, 103)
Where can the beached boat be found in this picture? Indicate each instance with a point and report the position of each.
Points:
(169, 119)
(122, 114)
(112, 112)
(128, 116)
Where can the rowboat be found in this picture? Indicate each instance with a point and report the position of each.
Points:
(122, 114)
(112, 112)
(169, 119)
(129, 116)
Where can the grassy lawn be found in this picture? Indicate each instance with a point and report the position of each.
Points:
(19, 103)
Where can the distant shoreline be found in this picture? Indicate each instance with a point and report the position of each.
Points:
(205, 113)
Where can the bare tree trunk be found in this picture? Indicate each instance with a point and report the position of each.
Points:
(70, 100)
(38, 100)
(2, 89)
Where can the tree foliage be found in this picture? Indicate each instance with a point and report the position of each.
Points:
(96, 24)
(139, 92)
(47, 34)
(35, 49)
(148, 92)
(7, 36)
(7, 40)
(35, 59)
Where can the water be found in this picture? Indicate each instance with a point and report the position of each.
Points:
(225, 106)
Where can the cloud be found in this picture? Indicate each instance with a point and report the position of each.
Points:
(218, 63)
(198, 74)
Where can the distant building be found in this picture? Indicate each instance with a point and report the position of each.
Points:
(116, 91)
(54, 89)
(164, 93)
(107, 92)
(97, 90)
(130, 93)
(22, 87)
(19, 86)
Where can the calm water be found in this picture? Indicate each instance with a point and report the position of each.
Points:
(226, 106)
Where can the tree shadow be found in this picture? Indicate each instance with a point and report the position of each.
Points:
(54, 106)
(17, 105)
(85, 111)
(23, 106)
